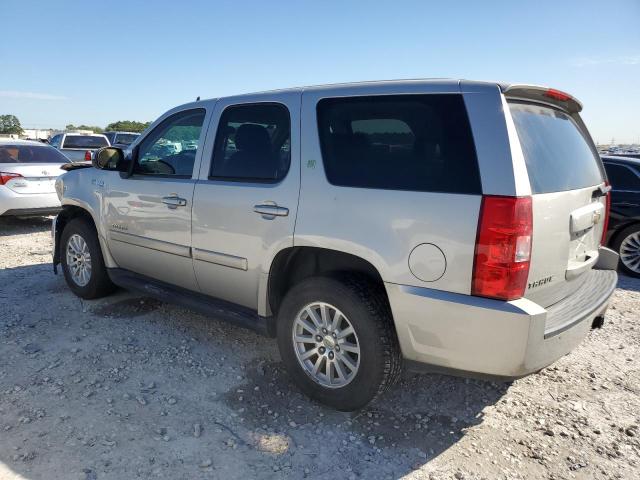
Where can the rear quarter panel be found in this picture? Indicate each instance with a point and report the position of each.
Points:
(383, 226)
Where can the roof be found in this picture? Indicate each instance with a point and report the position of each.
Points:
(443, 85)
(363, 85)
(85, 134)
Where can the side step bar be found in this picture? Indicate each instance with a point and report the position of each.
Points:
(209, 306)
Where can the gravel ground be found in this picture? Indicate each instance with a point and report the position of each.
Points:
(127, 387)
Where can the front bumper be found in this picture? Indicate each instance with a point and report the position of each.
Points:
(473, 336)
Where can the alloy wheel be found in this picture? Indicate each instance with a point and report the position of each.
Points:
(630, 252)
(326, 345)
(79, 260)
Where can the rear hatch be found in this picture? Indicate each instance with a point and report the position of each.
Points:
(567, 185)
(30, 167)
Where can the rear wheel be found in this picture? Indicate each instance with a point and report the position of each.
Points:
(627, 245)
(337, 341)
(82, 261)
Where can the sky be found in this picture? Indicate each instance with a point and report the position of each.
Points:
(87, 62)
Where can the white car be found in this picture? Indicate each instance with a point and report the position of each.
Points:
(28, 171)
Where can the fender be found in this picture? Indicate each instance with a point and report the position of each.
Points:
(82, 190)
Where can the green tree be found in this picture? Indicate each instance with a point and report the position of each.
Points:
(127, 126)
(10, 124)
(72, 127)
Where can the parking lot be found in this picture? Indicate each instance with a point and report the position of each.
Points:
(128, 387)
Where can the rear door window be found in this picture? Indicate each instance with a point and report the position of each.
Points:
(84, 141)
(558, 155)
(399, 142)
(253, 143)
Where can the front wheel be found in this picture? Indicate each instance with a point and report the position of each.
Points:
(82, 261)
(627, 245)
(337, 341)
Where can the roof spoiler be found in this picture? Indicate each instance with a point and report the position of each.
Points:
(67, 167)
(543, 94)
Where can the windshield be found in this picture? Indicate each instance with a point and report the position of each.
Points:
(558, 155)
(30, 154)
(126, 138)
(85, 141)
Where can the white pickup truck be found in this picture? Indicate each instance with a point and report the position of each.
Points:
(79, 146)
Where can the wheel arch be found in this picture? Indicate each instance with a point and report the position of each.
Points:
(615, 235)
(68, 213)
(294, 264)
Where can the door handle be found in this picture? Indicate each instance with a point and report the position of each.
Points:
(271, 210)
(174, 201)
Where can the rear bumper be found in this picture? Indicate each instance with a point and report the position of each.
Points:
(473, 336)
(12, 203)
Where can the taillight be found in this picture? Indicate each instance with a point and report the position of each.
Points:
(87, 156)
(557, 95)
(503, 247)
(6, 176)
(607, 213)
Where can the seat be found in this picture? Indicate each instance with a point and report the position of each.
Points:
(254, 156)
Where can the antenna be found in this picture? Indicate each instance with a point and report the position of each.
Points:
(198, 99)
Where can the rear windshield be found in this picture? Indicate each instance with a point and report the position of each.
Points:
(125, 138)
(84, 141)
(30, 154)
(558, 155)
(399, 142)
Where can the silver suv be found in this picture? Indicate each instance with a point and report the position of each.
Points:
(439, 225)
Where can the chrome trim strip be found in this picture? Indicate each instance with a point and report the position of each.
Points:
(218, 258)
(150, 243)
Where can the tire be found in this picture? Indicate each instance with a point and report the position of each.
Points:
(98, 284)
(628, 240)
(364, 307)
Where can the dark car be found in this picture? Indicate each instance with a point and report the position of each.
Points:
(123, 139)
(624, 223)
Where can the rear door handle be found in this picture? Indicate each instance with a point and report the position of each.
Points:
(271, 210)
(174, 201)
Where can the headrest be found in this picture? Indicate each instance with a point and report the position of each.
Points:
(252, 137)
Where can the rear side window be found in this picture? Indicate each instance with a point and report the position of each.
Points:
(30, 154)
(622, 178)
(557, 153)
(253, 143)
(125, 138)
(84, 141)
(399, 142)
(55, 141)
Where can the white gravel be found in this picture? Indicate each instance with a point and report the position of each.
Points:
(127, 387)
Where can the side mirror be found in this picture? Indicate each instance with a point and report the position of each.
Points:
(110, 158)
